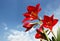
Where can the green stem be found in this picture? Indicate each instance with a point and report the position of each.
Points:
(46, 35)
(44, 31)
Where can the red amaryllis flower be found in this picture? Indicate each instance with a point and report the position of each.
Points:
(28, 26)
(32, 13)
(49, 21)
(40, 34)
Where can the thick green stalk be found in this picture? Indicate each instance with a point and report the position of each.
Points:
(44, 31)
(46, 35)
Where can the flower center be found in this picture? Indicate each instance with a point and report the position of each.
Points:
(34, 14)
(49, 23)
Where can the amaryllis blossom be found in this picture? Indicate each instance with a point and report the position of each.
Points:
(49, 21)
(40, 34)
(28, 26)
(32, 12)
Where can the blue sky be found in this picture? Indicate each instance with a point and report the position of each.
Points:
(11, 14)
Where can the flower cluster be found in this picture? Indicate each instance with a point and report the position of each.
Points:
(47, 21)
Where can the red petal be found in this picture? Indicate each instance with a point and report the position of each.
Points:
(52, 16)
(30, 18)
(27, 19)
(51, 27)
(27, 29)
(39, 9)
(46, 17)
(40, 29)
(30, 8)
(27, 14)
(37, 6)
(37, 35)
(55, 21)
(28, 26)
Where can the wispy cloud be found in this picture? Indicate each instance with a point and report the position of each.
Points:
(3, 26)
(20, 36)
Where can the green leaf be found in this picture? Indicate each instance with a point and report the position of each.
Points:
(58, 34)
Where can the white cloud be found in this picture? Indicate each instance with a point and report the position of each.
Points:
(20, 36)
(15, 35)
(4, 26)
